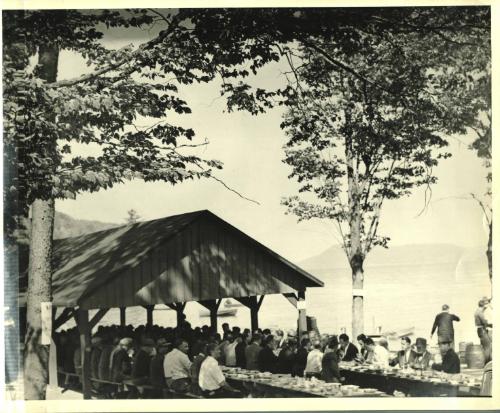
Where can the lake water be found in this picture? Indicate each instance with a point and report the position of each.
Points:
(396, 297)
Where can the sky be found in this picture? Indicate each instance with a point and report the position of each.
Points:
(251, 149)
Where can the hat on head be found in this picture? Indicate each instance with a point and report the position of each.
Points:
(444, 341)
(126, 341)
(445, 307)
(96, 340)
(421, 340)
(162, 342)
(291, 333)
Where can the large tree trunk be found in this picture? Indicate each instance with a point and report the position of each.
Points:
(36, 354)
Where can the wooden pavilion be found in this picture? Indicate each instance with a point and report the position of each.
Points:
(189, 257)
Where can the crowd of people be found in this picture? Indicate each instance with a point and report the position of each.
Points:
(187, 359)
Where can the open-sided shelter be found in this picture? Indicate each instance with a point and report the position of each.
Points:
(189, 257)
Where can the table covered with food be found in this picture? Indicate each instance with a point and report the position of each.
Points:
(258, 384)
(394, 380)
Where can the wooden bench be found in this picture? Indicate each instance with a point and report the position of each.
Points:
(163, 392)
(66, 375)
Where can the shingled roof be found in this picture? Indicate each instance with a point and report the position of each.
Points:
(184, 257)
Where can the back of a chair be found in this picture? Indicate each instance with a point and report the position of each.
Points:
(486, 382)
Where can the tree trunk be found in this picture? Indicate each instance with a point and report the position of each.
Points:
(489, 251)
(356, 256)
(357, 297)
(36, 354)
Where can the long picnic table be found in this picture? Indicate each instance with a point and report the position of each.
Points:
(279, 385)
(407, 383)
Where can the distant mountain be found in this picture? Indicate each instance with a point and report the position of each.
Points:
(418, 254)
(66, 226)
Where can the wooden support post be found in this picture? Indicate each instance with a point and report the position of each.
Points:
(254, 318)
(179, 308)
(123, 319)
(302, 321)
(254, 305)
(213, 307)
(149, 314)
(180, 313)
(213, 315)
(83, 327)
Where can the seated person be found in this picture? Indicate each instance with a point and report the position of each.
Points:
(105, 359)
(405, 356)
(211, 379)
(156, 374)
(450, 361)
(379, 354)
(267, 359)
(95, 355)
(199, 358)
(300, 359)
(422, 358)
(363, 349)
(252, 352)
(121, 362)
(330, 363)
(141, 361)
(286, 358)
(176, 367)
(347, 350)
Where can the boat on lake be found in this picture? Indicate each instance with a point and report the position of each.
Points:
(222, 312)
(229, 303)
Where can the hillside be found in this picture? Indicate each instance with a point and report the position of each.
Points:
(418, 254)
(67, 226)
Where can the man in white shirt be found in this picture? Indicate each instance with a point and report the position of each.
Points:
(314, 358)
(211, 379)
(380, 356)
(176, 367)
(230, 351)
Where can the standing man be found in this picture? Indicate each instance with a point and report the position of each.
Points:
(347, 351)
(444, 325)
(483, 326)
(450, 361)
(313, 364)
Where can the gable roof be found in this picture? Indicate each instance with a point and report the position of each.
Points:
(84, 264)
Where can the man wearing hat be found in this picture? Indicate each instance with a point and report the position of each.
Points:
(444, 325)
(483, 326)
(422, 359)
(450, 360)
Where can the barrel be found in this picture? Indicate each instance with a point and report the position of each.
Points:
(462, 346)
(474, 356)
